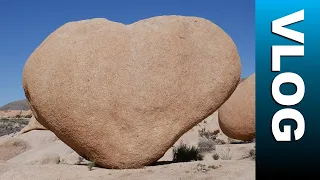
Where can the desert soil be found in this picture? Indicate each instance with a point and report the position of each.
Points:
(225, 170)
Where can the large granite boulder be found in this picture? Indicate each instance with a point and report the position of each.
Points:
(121, 95)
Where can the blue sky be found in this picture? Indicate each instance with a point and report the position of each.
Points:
(25, 24)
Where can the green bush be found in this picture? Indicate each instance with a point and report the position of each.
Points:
(91, 165)
(184, 153)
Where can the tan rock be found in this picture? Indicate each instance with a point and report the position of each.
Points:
(32, 125)
(38, 154)
(38, 138)
(237, 114)
(41, 158)
(123, 94)
(14, 175)
(12, 147)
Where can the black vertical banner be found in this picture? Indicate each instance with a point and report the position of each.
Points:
(287, 86)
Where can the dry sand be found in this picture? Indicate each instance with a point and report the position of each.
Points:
(240, 170)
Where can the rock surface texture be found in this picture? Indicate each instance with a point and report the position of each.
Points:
(12, 148)
(122, 95)
(237, 114)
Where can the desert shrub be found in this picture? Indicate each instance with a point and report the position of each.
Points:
(214, 166)
(206, 145)
(235, 141)
(28, 116)
(8, 126)
(215, 156)
(18, 116)
(208, 134)
(205, 168)
(201, 167)
(184, 153)
(91, 165)
(208, 140)
(226, 155)
(252, 153)
(219, 141)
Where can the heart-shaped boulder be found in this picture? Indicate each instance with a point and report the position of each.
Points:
(121, 95)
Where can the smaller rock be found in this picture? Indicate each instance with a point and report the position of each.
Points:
(43, 158)
(57, 147)
(71, 159)
(12, 147)
(38, 138)
(32, 125)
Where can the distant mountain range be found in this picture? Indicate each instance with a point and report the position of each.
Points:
(23, 104)
(16, 105)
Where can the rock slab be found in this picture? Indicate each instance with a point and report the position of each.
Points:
(12, 147)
